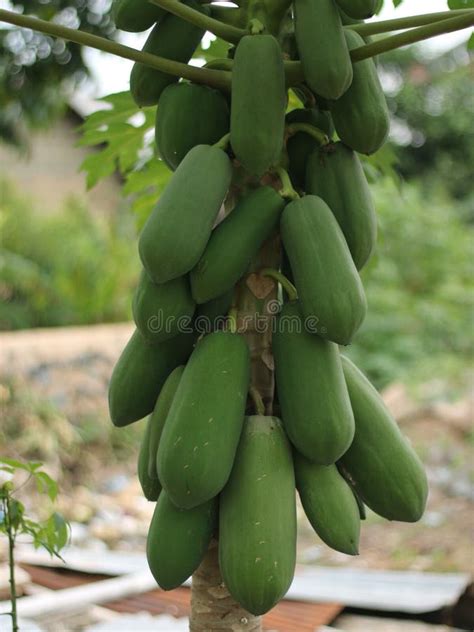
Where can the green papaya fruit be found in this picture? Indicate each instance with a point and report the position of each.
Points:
(162, 311)
(257, 517)
(257, 119)
(235, 242)
(358, 9)
(328, 284)
(203, 427)
(301, 145)
(313, 396)
(140, 373)
(150, 485)
(360, 115)
(157, 419)
(136, 15)
(178, 540)
(177, 231)
(173, 38)
(386, 471)
(336, 175)
(212, 315)
(324, 54)
(189, 115)
(329, 504)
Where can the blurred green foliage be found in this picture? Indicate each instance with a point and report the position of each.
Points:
(65, 268)
(419, 288)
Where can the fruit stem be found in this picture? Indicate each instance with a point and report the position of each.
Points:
(226, 32)
(214, 78)
(287, 191)
(232, 320)
(321, 137)
(257, 400)
(413, 36)
(286, 284)
(223, 142)
(387, 26)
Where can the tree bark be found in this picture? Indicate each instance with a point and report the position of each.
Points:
(213, 609)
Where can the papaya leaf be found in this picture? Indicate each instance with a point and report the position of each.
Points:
(45, 484)
(145, 186)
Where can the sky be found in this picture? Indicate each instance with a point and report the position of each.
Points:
(111, 74)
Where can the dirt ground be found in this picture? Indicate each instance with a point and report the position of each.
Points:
(53, 406)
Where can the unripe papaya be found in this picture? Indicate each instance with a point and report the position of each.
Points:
(329, 504)
(335, 174)
(157, 419)
(178, 540)
(177, 231)
(358, 9)
(203, 427)
(173, 38)
(140, 373)
(189, 115)
(313, 396)
(257, 517)
(258, 103)
(301, 145)
(326, 278)
(150, 485)
(235, 242)
(324, 54)
(386, 471)
(360, 115)
(162, 311)
(136, 15)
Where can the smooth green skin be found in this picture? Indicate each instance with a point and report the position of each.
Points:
(313, 396)
(329, 504)
(258, 103)
(213, 314)
(140, 373)
(178, 540)
(257, 517)
(326, 278)
(177, 231)
(361, 116)
(323, 50)
(157, 419)
(136, 15)
(189, 115)
(201, 434)
(336, 175)
(386, 471)
(173, 38)
(150, 485)
(161, 311)
(235, 242)
(358, 9)
(300, 146)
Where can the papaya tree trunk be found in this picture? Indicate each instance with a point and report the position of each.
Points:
(212, 607)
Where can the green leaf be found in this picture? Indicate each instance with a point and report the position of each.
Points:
(18, 465)
(15, 513)
(146, 185)
(45, 484)
(470, 42)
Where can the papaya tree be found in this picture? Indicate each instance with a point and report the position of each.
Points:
(250, 289)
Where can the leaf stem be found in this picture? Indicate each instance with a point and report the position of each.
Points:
(286, 284)
(257, 400)
(413, 36)
(11, 563)
(387, 26)
(287, 191)
(214, 78)
(226, 32)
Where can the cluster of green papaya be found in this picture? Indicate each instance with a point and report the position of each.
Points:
(213, 457)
